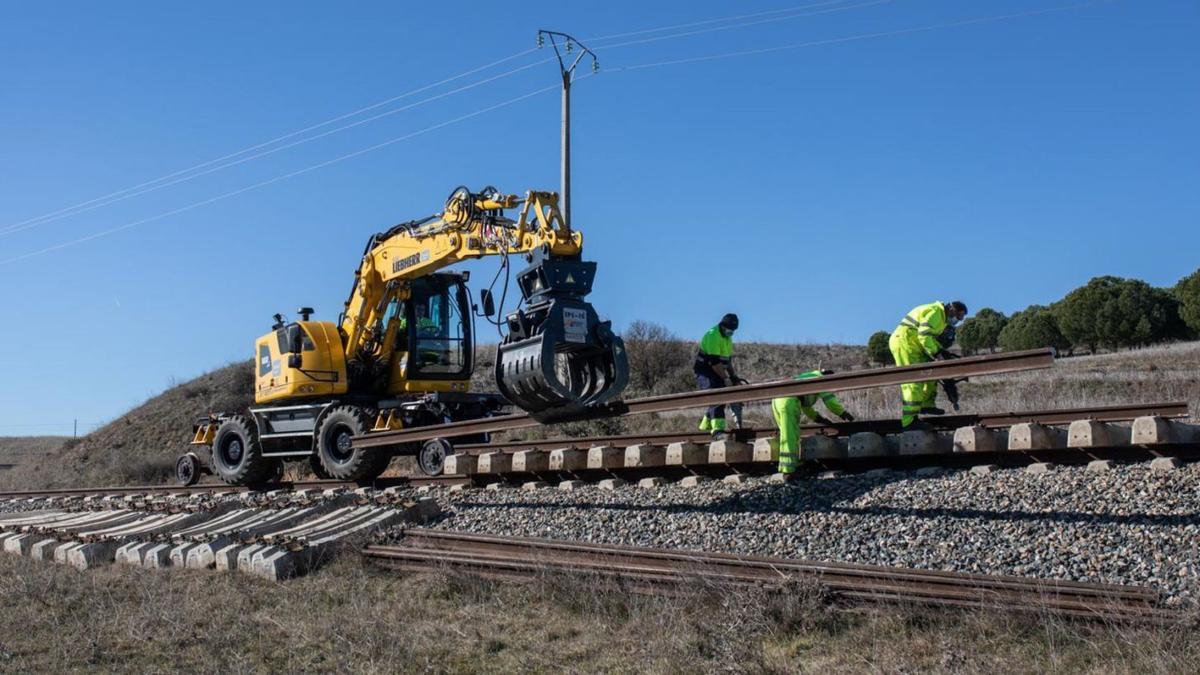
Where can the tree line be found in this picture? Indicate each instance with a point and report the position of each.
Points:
(1106, 313)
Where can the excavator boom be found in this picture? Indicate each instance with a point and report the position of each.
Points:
(558, 359)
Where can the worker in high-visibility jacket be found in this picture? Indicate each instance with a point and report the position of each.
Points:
(714, 369)
(789, 410)
(915, 340)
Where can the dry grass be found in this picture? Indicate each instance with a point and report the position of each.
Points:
(18, 450)
(349, 617)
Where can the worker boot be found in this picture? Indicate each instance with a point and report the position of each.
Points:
(918, 425)
(932, 410)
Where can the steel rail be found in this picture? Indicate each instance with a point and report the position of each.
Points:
(472, 541)
(657, 570)
(990, 364)
(1112, 413)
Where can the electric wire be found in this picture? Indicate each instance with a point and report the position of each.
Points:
(223, 162)
(276, 179)
(279, 148)
(862, 36)
(353, 113)
(696, 59)
(705, 22)
(703, 31)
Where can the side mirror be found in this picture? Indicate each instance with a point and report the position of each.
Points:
(295, 360)
(489, 305)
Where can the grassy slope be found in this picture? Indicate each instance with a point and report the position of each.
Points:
(349, 617)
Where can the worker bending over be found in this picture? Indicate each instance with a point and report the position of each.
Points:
(789, 410)
(714, 369)
(915, 340)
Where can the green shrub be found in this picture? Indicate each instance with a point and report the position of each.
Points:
(877, 349)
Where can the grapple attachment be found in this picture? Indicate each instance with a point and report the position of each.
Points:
(559, 361)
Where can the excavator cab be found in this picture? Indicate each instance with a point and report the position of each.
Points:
(433, 344)
(559, 361)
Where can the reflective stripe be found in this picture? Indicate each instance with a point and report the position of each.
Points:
(909, 321)
(925, 324)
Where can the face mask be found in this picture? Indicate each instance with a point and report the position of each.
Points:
(726, 332)
(954, 321)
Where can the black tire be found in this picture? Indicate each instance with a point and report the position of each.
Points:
(431, 459)
(339, 459)
(187, 469)
(237, 453)
(319, 471)
(277, 472)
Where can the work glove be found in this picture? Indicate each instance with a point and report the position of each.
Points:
(846, 417)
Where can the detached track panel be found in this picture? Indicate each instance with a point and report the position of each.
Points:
(671, 571)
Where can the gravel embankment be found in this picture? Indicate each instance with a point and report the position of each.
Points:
(1127, 526)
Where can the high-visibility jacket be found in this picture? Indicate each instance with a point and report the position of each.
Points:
(714, 348)
(808, 401)
(921, 327)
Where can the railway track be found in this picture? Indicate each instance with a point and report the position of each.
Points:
(827, 448)
(664, 571)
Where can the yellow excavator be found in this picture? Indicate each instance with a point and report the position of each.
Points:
(402, 351)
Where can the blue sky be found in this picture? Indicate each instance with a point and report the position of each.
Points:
(820, 190)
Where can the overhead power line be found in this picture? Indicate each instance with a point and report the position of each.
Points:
(706, 22)
(862, 36)
(293, 134)
(276, 179)
(279, 148)
(237, 158)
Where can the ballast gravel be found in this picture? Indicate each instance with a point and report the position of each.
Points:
(1129, 525)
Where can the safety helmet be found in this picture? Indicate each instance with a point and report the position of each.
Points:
(729, 322)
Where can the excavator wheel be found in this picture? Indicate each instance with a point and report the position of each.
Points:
(314, 463)
(237, 453)
(338, 456)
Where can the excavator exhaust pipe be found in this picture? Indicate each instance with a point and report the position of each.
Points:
(559, 361)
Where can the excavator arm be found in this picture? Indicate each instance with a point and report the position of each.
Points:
(558, 358)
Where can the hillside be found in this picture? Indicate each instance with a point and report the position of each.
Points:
(18, 450)
(141, 446)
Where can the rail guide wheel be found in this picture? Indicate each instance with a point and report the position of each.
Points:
(431, 459)
(188, 469)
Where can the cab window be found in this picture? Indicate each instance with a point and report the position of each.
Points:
(264, 360)
(439, 329)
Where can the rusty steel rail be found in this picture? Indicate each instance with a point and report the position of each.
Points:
(667, 571)
(864, 379)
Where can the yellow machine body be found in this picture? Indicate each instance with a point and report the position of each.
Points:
(405, 328)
